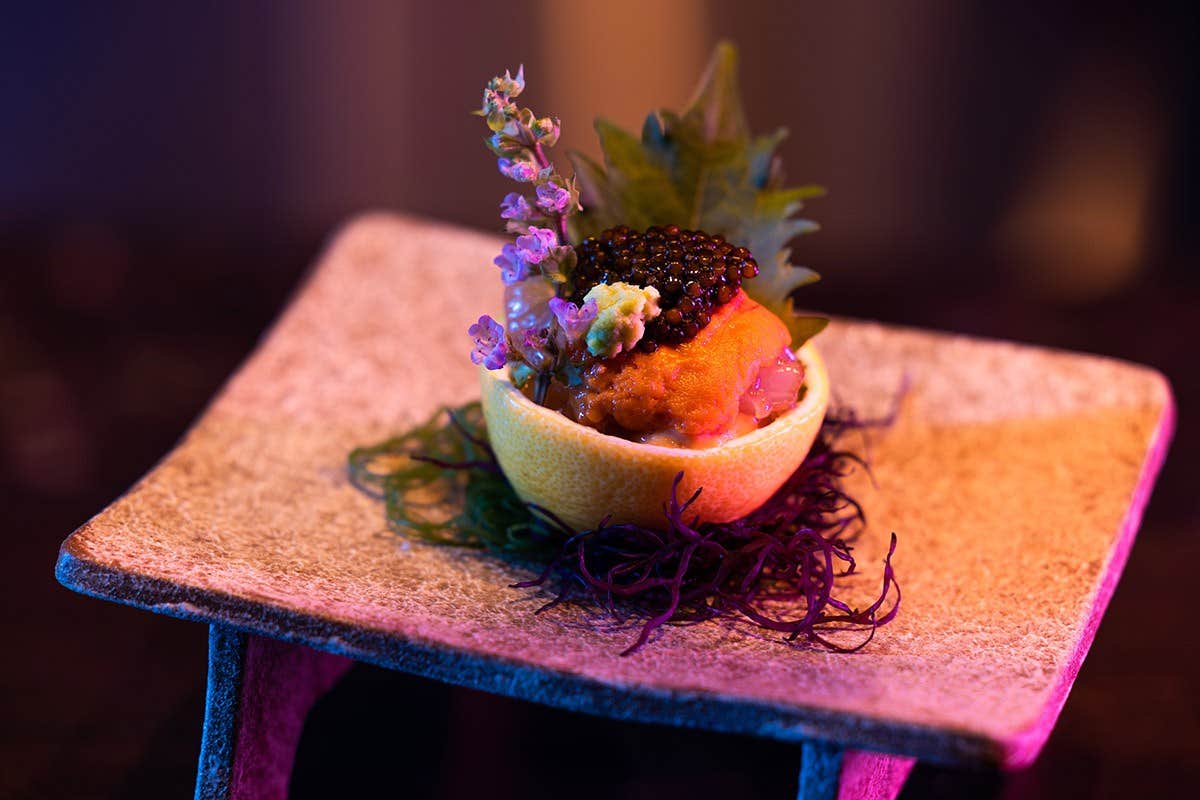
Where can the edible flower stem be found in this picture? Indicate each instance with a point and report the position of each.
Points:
(560, 218)
(534, 267)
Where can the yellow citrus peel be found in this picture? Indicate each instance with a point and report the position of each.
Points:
(584, 476)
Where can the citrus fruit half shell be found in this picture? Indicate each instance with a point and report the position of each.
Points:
(583, 475)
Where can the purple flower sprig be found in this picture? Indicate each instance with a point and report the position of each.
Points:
(535, 349)
(541, 340)
(519, 140)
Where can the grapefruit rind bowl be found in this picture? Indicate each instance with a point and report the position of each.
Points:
(584, 476)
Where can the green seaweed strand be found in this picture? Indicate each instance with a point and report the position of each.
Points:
(440, 483)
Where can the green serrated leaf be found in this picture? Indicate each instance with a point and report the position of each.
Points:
(761, 154)
(597, 196)
(775, 285)
(804, 327)
(801, 326)
(717, 102)
(703, 170)
(810, 191)
(653, 138)
(709, 176)
(639, 178)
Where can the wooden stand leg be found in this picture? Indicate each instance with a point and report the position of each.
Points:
(828, 772)
(259, 693)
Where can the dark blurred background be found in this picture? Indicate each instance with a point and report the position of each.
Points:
(1027, 170)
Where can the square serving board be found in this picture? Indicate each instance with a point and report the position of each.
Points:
(1014, 477)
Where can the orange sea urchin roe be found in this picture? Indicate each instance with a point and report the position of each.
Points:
(691, 390)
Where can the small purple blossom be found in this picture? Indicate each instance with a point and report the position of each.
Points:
(573, 319)
(536, 338)
(552, 198)
(537, 244)
(515, 206)
(521, 171)
(491, 346)
(513, 267)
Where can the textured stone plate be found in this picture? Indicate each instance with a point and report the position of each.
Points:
(1015, 479)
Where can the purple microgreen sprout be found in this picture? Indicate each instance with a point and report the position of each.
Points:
(776, 567)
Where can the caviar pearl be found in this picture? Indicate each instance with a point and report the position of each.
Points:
(693, 271)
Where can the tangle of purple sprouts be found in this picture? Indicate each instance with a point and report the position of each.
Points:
(787, 555)
(777, 567)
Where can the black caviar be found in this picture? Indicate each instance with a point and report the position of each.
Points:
(693, 271)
